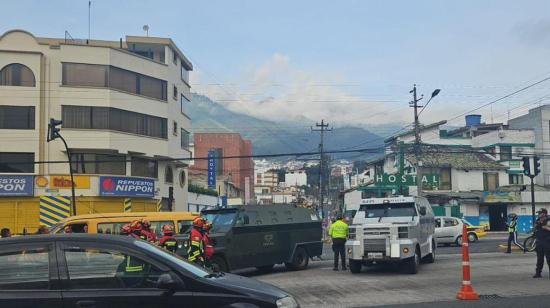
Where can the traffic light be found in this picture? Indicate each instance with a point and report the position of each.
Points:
(536, 161)
(53, 129)
(526, 166)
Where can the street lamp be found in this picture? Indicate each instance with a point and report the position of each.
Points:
(434, 94)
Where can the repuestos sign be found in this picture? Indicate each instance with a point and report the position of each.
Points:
(126, 186)
(16, 185)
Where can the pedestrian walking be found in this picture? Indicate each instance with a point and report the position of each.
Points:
(542, 233)
(513, 233)
(338, 231)
(5, 232)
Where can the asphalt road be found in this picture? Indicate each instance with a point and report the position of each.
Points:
(501, 280)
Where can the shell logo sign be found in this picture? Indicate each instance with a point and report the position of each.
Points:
(63, 181)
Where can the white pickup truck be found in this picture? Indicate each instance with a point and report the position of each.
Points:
(398, 230)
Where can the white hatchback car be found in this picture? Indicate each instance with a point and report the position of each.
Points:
(448, 230)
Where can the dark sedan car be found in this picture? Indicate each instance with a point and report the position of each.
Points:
(81, 270)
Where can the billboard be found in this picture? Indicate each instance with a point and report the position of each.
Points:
(16, 185)
(121, 186)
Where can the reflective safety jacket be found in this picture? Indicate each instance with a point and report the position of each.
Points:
(208, 247)
(339, 229)
(169, 243)
(133, 265)
(513, 226)
(195, 252)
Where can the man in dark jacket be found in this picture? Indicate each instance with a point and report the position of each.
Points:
(542, 231)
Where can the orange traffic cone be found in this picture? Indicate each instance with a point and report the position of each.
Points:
(467, 291)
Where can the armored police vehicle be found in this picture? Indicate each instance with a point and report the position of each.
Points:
(262, 236)
(398, 230)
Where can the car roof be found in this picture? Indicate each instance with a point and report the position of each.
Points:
(103, 238)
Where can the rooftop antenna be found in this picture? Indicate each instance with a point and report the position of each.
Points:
(146, 29)
(89, 14)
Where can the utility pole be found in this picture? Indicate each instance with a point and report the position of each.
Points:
(417, 140)
(322, 128)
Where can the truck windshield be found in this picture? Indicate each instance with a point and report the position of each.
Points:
(221, 221)
(389, 210)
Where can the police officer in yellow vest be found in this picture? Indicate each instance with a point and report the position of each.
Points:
(338, 231)
(513, 233)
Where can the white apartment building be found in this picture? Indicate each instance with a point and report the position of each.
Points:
(122, 104)
(295, 178)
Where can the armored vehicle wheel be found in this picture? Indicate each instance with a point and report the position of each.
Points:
(431, 257)
(219, 264)
(412, 264)
(355, 266)
(300, 260)
(265, 268)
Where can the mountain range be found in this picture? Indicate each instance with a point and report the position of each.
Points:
(269, 137)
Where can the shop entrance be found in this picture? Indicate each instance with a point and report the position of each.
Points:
(497, 217)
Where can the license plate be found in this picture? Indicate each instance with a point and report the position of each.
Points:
(375, 255)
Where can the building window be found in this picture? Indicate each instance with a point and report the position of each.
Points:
(16, 117)
(490, 181)
(182, 178)
(175, 92)
(114, 119)
(505, 152)
(168, 175)
(144, 167)
(259, 178)
(515, 179)
(175, 58)
(95, 75)
(11, 162)
(444, 178)
(183, 102)
(185, 136)
(184, 75)
(175, 128)
(18, 75)
(93, 163)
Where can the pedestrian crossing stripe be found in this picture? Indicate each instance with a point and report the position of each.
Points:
(127, 205)
(159, 205)
(54, 209)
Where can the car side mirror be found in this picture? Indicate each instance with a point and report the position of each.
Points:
(167, 282)
(422, 210)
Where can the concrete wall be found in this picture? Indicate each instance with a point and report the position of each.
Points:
(512, 136)
(197, 202)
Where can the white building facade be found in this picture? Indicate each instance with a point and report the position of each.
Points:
(122, 104)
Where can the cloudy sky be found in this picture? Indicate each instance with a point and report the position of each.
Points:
(349, 62)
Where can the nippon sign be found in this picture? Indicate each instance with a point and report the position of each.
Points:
(119, 186)
(406, 179)
(211, 169)
(16, 185)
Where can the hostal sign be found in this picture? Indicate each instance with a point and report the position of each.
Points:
(405, 180)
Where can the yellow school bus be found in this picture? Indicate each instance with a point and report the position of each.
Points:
(111, 223)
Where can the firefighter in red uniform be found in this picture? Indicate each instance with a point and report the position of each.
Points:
(147, 232)
(168, 241)
(208, 246)
(126, 230)
(137, 229)
(195, 252)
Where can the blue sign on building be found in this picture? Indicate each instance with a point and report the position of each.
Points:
(16, 185)
(212, 169)
(120, 186)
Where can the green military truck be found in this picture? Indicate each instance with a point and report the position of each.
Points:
(262, 236)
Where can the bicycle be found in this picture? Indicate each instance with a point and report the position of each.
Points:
(530, 243)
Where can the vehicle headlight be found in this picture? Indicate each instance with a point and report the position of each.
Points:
(287, 302)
